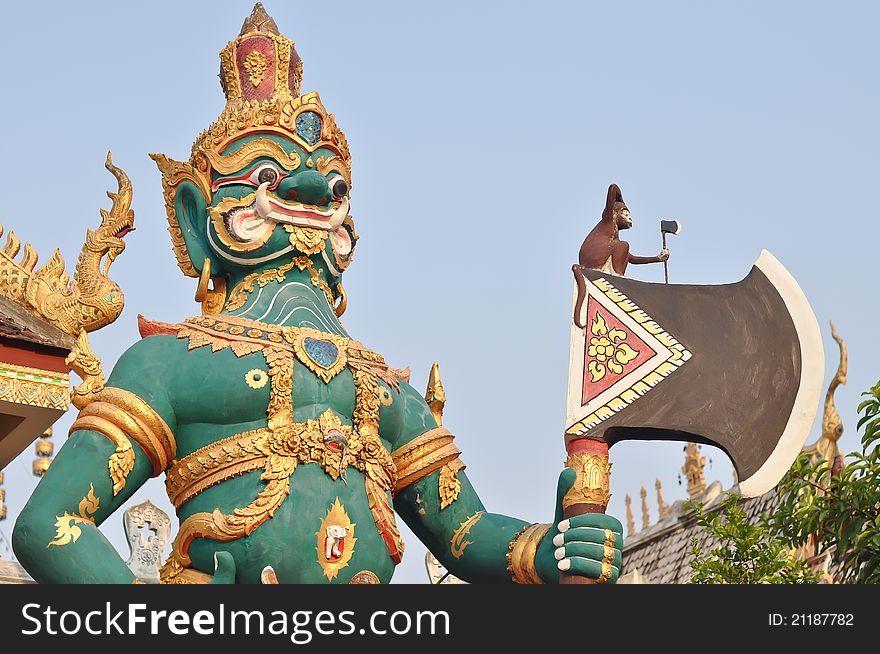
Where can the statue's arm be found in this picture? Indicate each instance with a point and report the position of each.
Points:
(117, 443)
(472, 543)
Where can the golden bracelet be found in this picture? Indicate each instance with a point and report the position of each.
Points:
(424, 455)
(521, 554)
(121, 461)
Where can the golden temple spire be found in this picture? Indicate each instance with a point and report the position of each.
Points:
(630, 520)
(43, 449)
(662, 509)
(693, 466)
(435, 395)
(646, 517)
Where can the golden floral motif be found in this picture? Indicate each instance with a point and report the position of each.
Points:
(255, 65)
(449, 486)
(607, 350)
(34, 386)
(256, 378)
(66, 530)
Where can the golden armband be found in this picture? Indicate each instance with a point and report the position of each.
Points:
(121, 415)
(433, 450)
(521, 554)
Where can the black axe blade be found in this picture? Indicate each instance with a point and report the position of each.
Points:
(738, 366)
(670, 227)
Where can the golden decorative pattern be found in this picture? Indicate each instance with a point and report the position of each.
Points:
(84, 363)
(256, 378)
(449, 486)
(325, 374)
(121, 461)
(34, 387)
(592, 483)
(308, 240)
(458, 544)
(336, 519)
(383, 516)
(66, 529)
(521, 554)
(364, 577)
(255, 65)
(226, 164)
(92, 300)
(423, 455)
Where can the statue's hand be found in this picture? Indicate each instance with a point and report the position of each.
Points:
(577, 545)
(224, 568)
(664, 255)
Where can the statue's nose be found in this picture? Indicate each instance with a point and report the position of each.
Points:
(308, 187)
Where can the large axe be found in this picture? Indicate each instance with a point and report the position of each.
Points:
(738, 366)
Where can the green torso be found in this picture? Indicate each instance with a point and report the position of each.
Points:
(223, 404)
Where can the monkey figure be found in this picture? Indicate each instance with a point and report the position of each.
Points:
(602, 249)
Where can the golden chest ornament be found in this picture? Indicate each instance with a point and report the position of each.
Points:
(278, 448)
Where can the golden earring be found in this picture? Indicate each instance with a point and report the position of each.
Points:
(204, 279)
(340, 308)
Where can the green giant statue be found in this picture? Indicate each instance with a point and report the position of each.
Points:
(287, 445)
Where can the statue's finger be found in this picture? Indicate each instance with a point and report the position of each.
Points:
(598, 520)
(583, 535)
(588, 551)
(586, 568)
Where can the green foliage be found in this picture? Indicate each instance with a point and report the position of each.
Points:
(747, 552)
(843, 510)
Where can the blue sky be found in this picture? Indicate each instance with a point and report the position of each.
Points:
(484, 136)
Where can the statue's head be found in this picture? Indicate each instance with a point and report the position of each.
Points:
(270, 179)
(616, 210)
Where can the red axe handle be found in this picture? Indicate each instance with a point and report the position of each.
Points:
(590, 492)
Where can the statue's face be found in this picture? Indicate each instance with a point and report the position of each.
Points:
(624, 221)
(270, 197)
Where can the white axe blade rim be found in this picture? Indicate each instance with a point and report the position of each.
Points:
(807, 400)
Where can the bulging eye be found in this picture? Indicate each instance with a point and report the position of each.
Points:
(338, 187)
(263, 174)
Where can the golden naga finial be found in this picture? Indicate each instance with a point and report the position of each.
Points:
(435, 395)
(646, 516)
(630, 520)
(91, 300)
(662, 509)
(832, 425)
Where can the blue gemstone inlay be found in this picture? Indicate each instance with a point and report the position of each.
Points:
(308, 127)
(324, 353)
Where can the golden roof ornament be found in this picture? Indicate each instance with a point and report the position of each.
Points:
(832, 425)
(693, 466)
(646, 516)
(662, 509)
(630, 520)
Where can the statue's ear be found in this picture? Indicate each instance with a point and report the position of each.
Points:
(186, 203)
(191, 211)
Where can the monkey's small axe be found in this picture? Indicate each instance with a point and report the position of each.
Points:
(668, 227)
